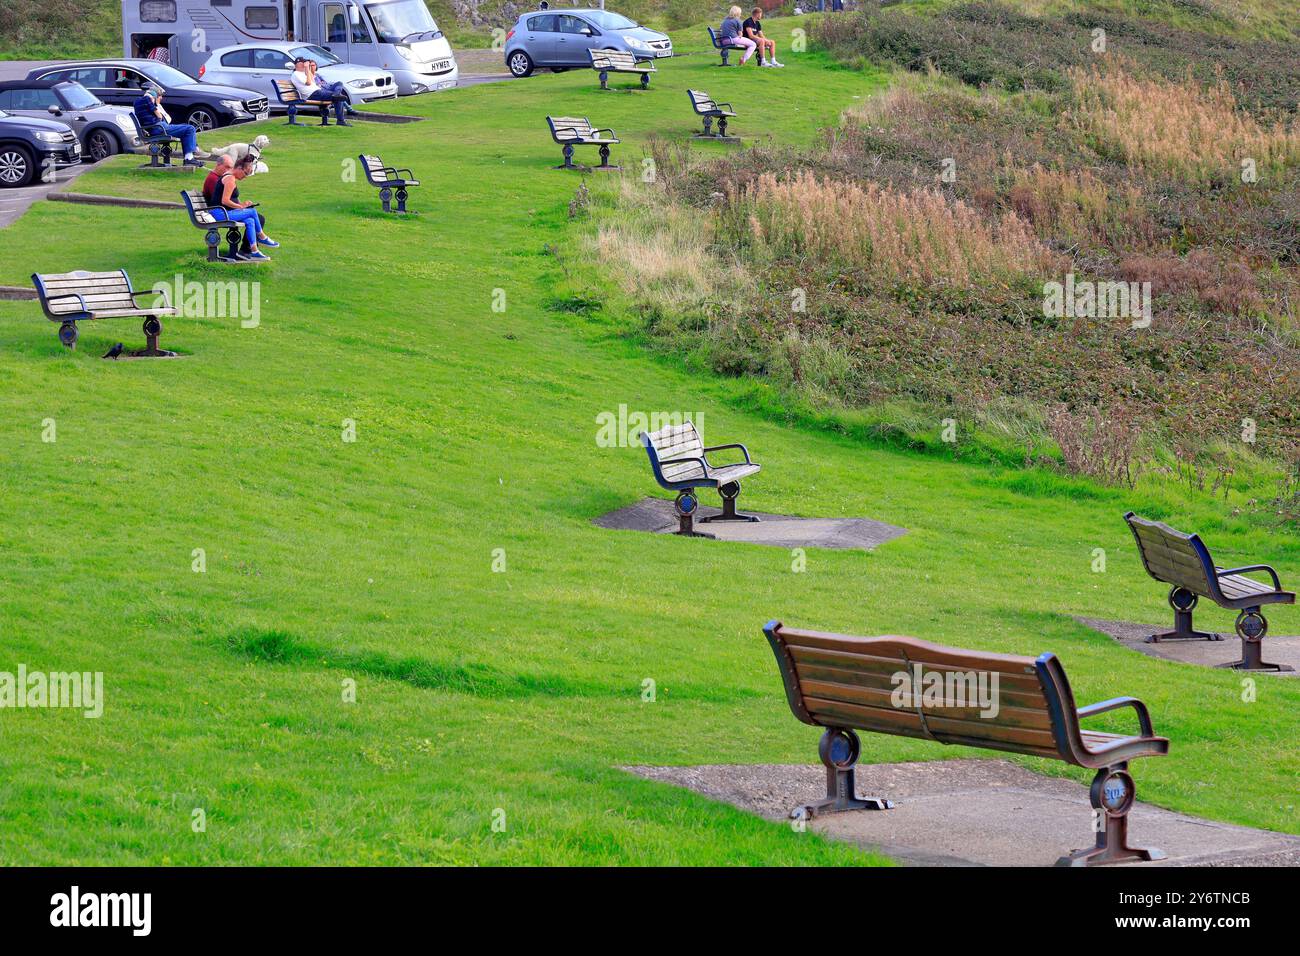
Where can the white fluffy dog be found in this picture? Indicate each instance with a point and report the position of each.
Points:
(237, 151)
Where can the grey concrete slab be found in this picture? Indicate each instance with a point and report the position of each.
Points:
(976, 813)
(1281, 649)
(656, 515)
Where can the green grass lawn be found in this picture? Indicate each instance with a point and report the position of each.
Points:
(372, 560)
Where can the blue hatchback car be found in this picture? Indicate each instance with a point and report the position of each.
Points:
(560, 39)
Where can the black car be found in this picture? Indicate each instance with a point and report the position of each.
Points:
(102, 129)
(119, 82)
(29, 147)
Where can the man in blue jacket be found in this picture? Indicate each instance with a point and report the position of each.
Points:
(155, 121)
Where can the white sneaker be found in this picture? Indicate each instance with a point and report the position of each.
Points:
(777, 63)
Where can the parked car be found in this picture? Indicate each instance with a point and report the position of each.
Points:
(103, 130)
(560, 39)
(30, 146)
(202, 105)
(256, 65)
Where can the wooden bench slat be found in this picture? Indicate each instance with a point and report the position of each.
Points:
(1031, 698)
(1028, 717)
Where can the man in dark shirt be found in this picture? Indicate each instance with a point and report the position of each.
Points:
(753, 29)
(155, 121)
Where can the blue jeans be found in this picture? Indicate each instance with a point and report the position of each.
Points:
(338, 99)
(184, 132)
(251, 221)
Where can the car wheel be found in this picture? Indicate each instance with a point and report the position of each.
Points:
(520, 63)
(17, 167)
(101, 144)
(202, 119)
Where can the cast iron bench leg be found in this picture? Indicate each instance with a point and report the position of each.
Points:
(729, 491)
(645, 81)
(1112, 796)
(232, 243)
(722, 127)
(726, 52)
(839, 750)
(604, 159)
(686, 505)
(401, 199)
(213, 241)
(1251, 628)
(604, 80)
(1183, 602)
(386, 198)
(293, 116)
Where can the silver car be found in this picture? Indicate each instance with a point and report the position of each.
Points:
(561, 39)
(254, 66)
(102, 129)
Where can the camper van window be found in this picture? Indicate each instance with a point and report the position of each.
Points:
(157, 11)
(262, 18)
(402, 21)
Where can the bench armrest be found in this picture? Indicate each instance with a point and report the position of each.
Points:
(1143, 715)
(167, 301)
(1277, 584)
(69, 295)
(725, 106)
(411, 174)
(734, 445)
(604, 129)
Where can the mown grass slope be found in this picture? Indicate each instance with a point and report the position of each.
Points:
(479, 691)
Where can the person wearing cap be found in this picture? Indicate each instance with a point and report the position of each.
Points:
(155, 122)
(305, 82)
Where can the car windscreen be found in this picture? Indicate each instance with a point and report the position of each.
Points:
(77, 97)
(402, 21)
(164, 75)
(322, 56)
(610, 21)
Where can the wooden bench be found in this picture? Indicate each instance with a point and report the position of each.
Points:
(212, 219)
(616, 61)
(1183, 562)
(845, 684)
(680, 463)
(571, 131)
(293, 101)
(387, 180)
(160, 146)
(72, 297)
(719, 46)
(705, 106)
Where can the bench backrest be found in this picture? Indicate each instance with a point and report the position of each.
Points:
(374, 167)
(199, 210)
(674, 441)
(702, 102)
(714, 37)
(287, 92)
(1174, 557)
(618, 60)
(100, 291)
(912, 688)
(564, 128)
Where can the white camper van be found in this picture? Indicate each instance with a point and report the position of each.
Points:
(399, 36)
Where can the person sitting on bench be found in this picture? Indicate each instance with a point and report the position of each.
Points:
(155, 122)
(753, 29)
(225, 195)
(304, 81)
(729, 34)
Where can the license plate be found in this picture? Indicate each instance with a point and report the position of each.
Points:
(446, 84)
(76, 149)
(264, 115)
(664, 53)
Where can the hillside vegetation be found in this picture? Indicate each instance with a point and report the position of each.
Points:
(901, 274)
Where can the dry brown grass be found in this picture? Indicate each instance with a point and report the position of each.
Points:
(1184, 129)
(919, 236)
